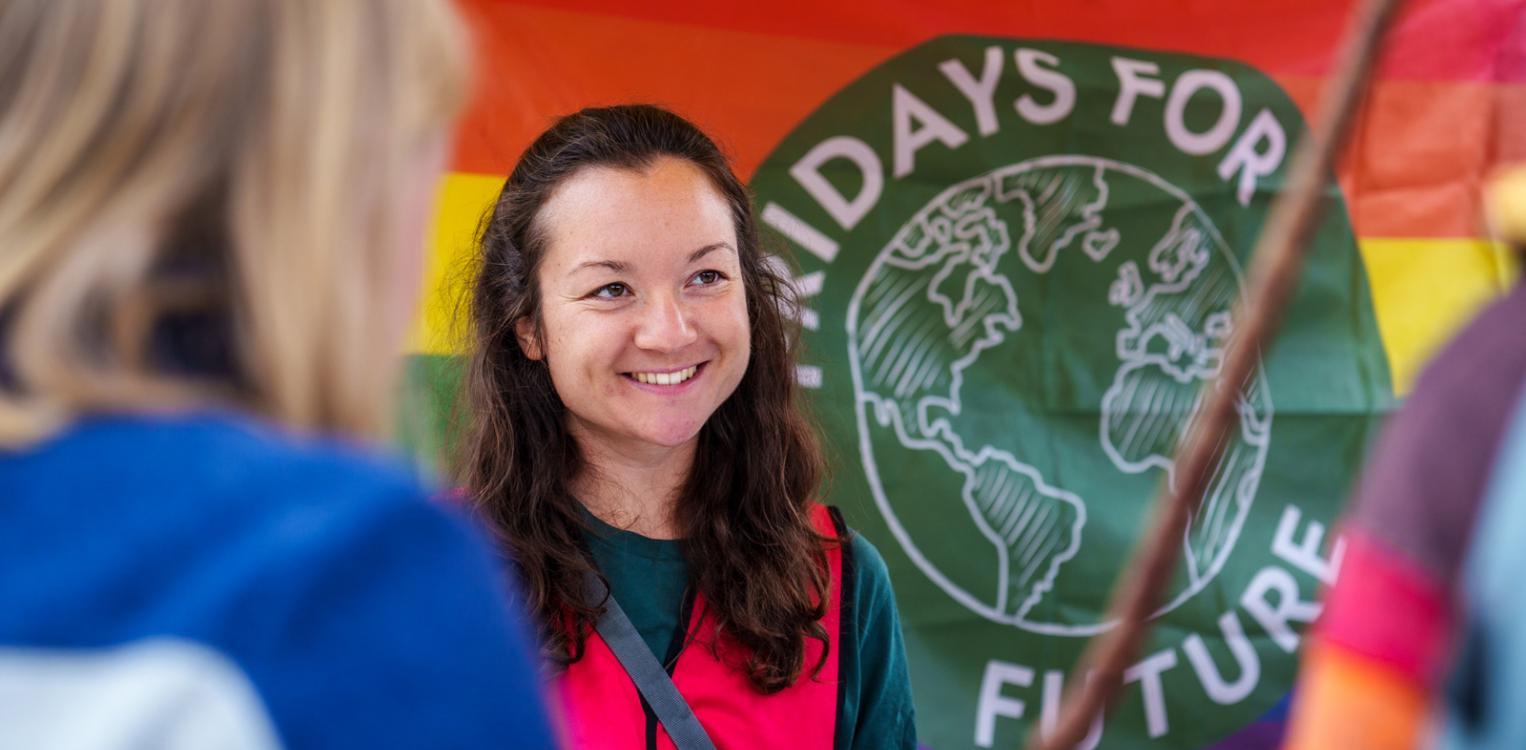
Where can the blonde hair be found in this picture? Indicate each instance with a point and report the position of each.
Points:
(264, 141)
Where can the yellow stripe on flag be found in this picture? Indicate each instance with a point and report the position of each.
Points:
(1423, 290)
(463, 202)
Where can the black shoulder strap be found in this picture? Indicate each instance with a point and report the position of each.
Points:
(847, 612)
(642, 666)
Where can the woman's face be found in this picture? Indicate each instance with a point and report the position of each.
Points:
(643, 313)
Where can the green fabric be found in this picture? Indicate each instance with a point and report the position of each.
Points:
(877, 707)
(648, 577)
(426, 419)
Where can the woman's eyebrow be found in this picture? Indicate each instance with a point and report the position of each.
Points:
(707, 249)
(613, 265)
(620, 267)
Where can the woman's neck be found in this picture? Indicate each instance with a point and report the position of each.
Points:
(632, 487)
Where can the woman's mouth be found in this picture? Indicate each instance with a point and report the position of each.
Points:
(674, 377)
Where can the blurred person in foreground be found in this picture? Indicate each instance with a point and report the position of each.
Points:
(211, 225)
(1376, 669)
(1487, 685)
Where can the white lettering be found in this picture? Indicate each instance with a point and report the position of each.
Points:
(1305, 555)
(808, 376)
(1214, 138)
(908, 113)
(1274, 620)
(1222, 692)
(1244, 157)
(847, 212)
(981, 93)
(993, 704)
(1133, 84)
(1054, 690)
(1064, 90)
(1147, 674)
(799, 232)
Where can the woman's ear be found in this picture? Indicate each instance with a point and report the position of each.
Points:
(529, 341)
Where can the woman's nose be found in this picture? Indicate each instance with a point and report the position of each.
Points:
(665, 325)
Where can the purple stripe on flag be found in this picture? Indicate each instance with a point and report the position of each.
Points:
(1265, 733)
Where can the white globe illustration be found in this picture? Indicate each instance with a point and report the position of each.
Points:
(965, 337)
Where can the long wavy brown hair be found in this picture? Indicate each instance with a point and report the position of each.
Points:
(743, 515)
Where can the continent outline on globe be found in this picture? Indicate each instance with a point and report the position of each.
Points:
(1036, 525)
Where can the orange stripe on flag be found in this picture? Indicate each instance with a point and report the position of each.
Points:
(1350, 702)
(1413, 170)
(1431, 39)
(747, 89)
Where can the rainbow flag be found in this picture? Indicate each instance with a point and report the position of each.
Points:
(1017, 227)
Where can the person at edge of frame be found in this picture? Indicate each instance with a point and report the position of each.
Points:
(211, 229)
(635, 416)
(1375, 672)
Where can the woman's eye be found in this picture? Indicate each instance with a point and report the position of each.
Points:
(706, 278)
(611, 291)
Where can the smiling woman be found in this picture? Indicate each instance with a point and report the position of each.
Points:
(644, 307)
(635, 425)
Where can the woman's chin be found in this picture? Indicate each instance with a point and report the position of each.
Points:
(673, 439)
(673, 435)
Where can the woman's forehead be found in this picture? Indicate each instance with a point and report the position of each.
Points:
(665, 212)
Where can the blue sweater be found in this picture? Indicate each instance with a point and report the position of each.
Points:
(322, 595)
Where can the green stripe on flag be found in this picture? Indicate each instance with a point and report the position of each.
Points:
(428, 421)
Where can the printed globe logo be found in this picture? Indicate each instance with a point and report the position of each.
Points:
(941, 310)
(1016, 265)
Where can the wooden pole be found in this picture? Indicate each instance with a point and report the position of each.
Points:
(1275, 266)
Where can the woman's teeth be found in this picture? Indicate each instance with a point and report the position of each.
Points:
(665, 378)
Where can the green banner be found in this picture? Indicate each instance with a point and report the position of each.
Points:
(1017, 261)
